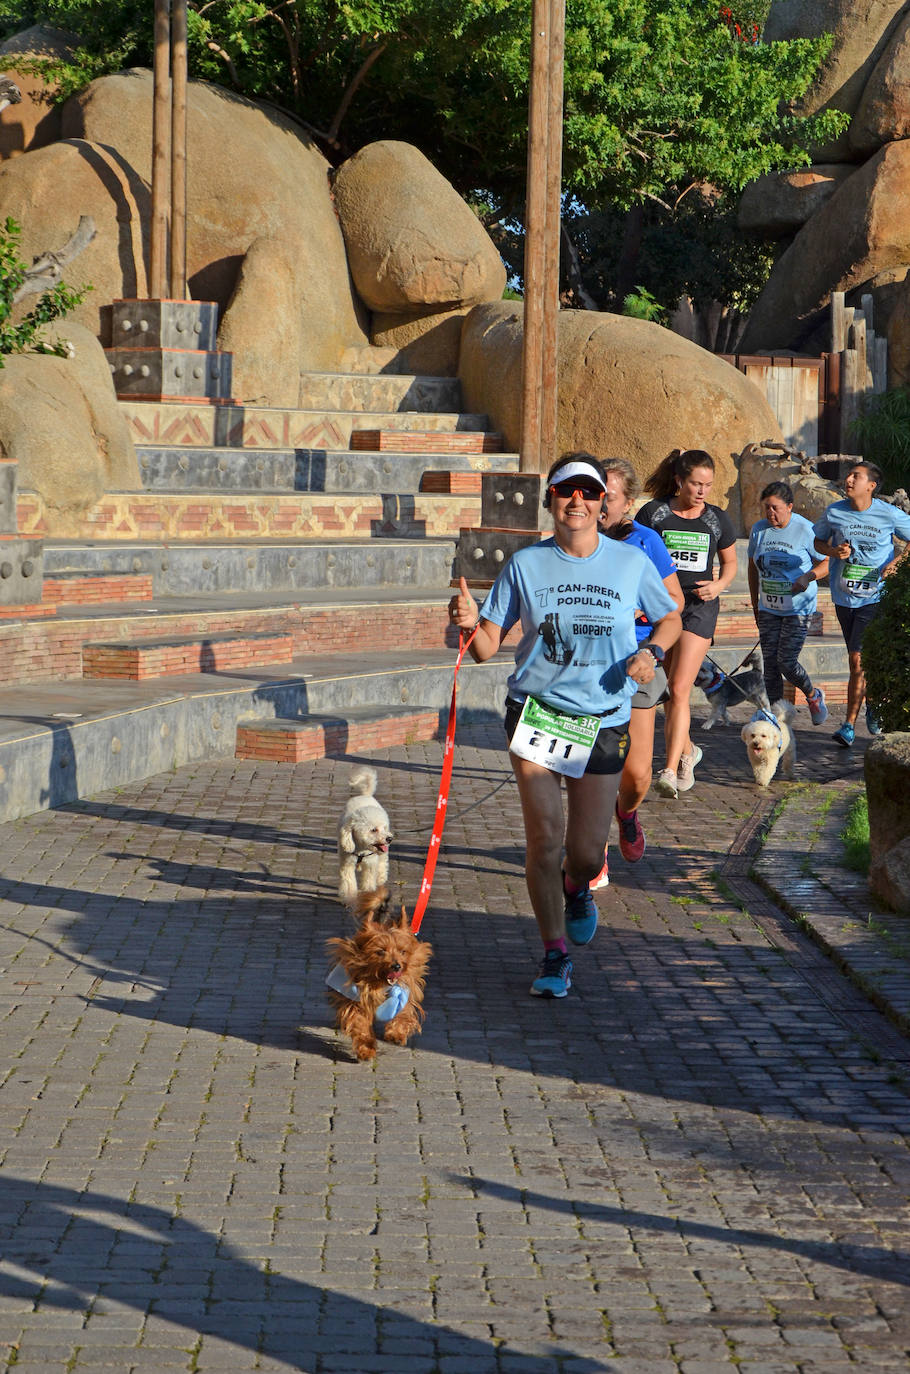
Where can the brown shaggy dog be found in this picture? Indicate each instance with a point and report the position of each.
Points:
(380, 968)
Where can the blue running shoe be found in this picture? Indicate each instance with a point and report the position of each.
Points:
(845, 735)
(872, 724)
(581, 916)
(818, 711)
(555, 977)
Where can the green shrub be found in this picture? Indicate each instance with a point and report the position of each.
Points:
(25, 336)
(886, 653)
(641, 305)
(883, 430)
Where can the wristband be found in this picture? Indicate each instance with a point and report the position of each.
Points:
(655, 651)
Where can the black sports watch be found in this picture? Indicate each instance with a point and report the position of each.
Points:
(654, 650)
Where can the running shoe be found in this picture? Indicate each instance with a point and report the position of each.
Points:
(581, 916)
(872, 724)
(845, 735)
(818, 711)
(631, 837)
(685, 774)
(666, 783)
(555, 976)
(603, 877)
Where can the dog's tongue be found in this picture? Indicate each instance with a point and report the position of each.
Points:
(393, 978)
(383, 847)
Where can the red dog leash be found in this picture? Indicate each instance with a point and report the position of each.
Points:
(442, 801)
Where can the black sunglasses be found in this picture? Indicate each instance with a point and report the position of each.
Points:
(569, 488)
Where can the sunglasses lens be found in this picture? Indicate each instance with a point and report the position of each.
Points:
(567, 489)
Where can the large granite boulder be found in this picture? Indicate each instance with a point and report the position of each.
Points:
(887, 771)
(626, 387)
(883, 113)
(412, 241)
(426, 341)
(35, 121)
(48, 190)
(781, 202)
(812, 494)
(252, 174)
(862, 231)
(861, 29)
(60, 421)
(265, 338)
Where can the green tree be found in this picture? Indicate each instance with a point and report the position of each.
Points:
(663, 98)
(24, 335)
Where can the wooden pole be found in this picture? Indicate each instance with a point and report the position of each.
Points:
(160, 141)
(530, 457)
(178, 151)
(549, 349)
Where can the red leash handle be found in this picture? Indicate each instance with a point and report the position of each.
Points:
(442, 801)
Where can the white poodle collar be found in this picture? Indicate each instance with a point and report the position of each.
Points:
(762, 714)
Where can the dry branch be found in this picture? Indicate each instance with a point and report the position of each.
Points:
(46, 271)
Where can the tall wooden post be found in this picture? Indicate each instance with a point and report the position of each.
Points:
(161, 126)
(542, 220)
(178, 151)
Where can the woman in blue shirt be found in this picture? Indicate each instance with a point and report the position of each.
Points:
(577, 666)
(784, 570)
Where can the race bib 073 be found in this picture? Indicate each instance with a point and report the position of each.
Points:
(860, 580)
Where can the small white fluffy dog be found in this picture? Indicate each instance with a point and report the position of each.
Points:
(363, 839)
(770, 743)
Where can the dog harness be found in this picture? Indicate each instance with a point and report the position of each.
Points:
(761, 714)
(396, 999)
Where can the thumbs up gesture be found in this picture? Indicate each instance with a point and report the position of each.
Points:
(463, 608)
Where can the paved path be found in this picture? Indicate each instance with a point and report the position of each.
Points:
(697, 1162)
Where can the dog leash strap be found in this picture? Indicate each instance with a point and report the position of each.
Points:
(442, 800)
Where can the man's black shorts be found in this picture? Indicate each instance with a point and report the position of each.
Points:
(610, 749)
(853, 621)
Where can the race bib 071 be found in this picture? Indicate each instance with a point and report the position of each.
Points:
(689, 549)
(776, 595)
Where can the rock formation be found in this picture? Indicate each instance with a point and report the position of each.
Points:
(625, 387)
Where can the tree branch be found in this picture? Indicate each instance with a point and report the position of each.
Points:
(46, 271)
(357, 80)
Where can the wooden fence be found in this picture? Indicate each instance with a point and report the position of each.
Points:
(816, 399)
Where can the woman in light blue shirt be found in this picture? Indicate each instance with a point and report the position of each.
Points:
(784, 569)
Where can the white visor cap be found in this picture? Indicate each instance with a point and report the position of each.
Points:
(576, 468)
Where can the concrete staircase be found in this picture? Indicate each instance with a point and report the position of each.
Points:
(276, 589)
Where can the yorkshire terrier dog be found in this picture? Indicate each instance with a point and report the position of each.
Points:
(376, 985)
(364, 835)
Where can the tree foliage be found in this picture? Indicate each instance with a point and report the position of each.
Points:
(886, 652)
(661, 96)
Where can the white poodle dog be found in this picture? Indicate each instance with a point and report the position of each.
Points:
(363, 839)
(770, 743)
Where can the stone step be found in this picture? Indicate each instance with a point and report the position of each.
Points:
(263, 567)
(184, 654)
(197, 424)
(71, 740)
(310, 470)
(330, 621)
(206, 516)
(97, 588)
(379, 392)
(402, 441)
(359, 730)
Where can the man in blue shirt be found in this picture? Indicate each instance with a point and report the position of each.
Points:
(858, 535)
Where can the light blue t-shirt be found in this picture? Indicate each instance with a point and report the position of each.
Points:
(578, 623)
(857, 580)
(780, 557)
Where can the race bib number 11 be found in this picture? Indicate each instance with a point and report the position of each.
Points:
(554, 740)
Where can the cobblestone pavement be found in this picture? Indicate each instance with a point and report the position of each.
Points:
(697, 1162)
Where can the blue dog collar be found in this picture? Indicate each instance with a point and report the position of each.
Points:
(762, 714)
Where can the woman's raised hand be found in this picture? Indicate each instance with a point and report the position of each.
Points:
(463, 608)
